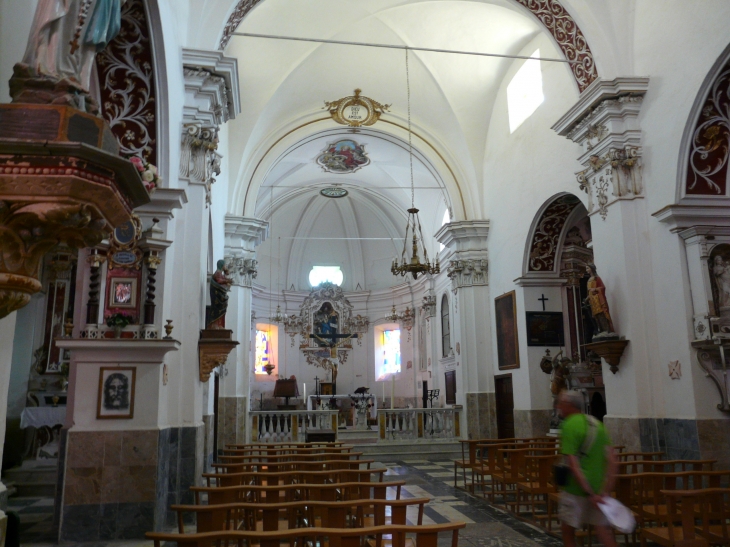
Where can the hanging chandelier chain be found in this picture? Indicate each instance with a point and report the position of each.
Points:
(410, 142)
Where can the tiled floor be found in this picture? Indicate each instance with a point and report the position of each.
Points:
(487, 526)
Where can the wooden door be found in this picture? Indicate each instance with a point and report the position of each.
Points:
(505, 406)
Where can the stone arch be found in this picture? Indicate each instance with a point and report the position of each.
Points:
(705, 148)
(546, 235)
(550, 13)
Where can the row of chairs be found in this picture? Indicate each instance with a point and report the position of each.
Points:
(302, 494)
(517, 473)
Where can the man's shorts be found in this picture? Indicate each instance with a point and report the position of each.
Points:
(576, 511)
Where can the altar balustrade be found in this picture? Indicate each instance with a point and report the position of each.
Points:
(274, 426)
(409, 424)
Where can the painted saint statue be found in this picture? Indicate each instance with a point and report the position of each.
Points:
(598, 303)
(220, 284)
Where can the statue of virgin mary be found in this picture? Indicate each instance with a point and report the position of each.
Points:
(64, 39)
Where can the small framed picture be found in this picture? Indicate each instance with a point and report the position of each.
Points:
(508, 349)
(122, 292)
(116, 393)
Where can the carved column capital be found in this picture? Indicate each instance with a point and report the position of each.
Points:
(605, 123)
(243, 270)
(468, 273)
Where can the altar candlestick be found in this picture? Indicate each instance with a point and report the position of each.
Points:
(392, 391)
(305, 394)
(382, 384)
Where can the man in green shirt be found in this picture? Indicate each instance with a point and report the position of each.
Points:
(588, 452)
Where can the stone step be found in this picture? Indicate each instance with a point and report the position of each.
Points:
(33, 480)
(396, 450)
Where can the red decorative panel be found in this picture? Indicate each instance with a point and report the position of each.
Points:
(710, 144)
(558, 22)
(126, 79)
(545, 240)
(553, 16)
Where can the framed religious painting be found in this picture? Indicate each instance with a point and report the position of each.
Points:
(545, 328)
(116, 393)
(508, 351)
(122, 292)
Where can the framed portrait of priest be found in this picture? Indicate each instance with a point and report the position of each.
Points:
(116, 393)
(508, 350)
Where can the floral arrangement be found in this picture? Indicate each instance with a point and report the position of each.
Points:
(148, 172)
(118, 319)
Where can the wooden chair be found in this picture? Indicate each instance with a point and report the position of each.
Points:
(219, 495)
(680, 529)
(633, 456)
(717, 507)
(289, 515)
(538, 484)
(425, 536)
(294, 477)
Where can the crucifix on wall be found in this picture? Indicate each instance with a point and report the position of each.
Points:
(330, 340)
(543, 300)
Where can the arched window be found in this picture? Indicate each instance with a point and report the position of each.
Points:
(445, 328)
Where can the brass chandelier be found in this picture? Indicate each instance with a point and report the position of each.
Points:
(413, 265)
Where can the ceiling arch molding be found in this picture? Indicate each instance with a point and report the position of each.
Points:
(431, 154)
(551, 14)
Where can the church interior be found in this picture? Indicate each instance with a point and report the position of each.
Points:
(398, 225)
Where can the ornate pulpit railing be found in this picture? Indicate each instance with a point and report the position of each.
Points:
(275, 426)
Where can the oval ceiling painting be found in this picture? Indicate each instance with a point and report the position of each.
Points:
(341, 157)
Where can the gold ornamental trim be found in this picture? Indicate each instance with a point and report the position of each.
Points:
(356, 110)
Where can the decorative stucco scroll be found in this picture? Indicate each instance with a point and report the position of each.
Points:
(544, 246)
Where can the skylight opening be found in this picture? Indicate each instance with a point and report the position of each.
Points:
(524, 92)
(320, 274)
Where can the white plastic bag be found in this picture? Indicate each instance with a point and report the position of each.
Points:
(618, 515)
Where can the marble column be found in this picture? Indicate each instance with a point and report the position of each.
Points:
(7, 334)
(468, 270)
(243, 235)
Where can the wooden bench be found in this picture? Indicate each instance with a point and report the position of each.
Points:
(425, 536)
(294, 477)
(278, 458)
(337, 491)
(289, 515)
(292, 466)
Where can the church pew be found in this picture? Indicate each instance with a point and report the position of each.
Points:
(293, 477)
(425, 536)
(664, 466)
(292, 492)
(297, 514)
(292, 466)
(288, 445)
(277, 458)
(233, 449)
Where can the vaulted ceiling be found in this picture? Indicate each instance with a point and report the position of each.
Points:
(283, 128)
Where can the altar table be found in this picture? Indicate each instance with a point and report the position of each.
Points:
(39, 416)
(370, 397)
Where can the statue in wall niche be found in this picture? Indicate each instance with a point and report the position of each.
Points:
(721, 273)
(596, 299)
(58, 64)
(220, 285)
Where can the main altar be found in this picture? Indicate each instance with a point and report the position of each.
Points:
(326, 326)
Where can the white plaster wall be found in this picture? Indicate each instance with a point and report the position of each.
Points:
(7, 332)
(522, 171)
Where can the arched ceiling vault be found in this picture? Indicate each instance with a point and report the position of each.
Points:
(274, 144)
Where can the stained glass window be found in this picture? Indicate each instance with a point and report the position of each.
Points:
(391, 353)
(263, 351)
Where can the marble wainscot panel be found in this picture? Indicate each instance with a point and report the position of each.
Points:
(532, 423)
(231, 420)
(209, 425)
(714, 441)
(120, 484)
(481, 413)
(624, 432)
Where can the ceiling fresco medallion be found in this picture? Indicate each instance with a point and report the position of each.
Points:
(333, 192)
(356, 110)
(341, 157)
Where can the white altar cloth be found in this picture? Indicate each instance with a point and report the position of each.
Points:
(372, 398)
(39, 416)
